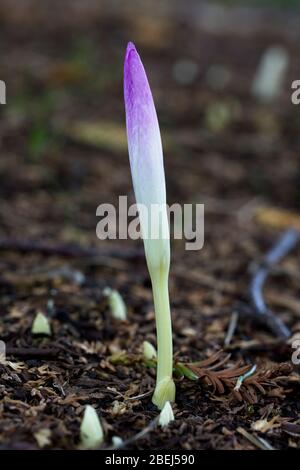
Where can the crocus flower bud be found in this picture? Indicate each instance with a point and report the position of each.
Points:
(148, 176)
(146, 160)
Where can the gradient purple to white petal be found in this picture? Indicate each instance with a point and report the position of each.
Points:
(144, 141)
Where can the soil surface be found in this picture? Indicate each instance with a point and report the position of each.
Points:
(64, 152)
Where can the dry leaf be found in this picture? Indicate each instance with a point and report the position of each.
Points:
(17, 366)
(263, 425)
(277, 218)
(42, 437)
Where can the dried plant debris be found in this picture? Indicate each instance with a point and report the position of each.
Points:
(219, 379)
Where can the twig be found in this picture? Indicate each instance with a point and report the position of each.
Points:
(256, 441)
(152, 425)
(68, 251)
(231, 328)
(285, 244)
(261, 346)
(33, 353)
(141, 396)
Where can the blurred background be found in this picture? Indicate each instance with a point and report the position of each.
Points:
(221, 75)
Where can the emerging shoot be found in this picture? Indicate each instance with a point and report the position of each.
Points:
(149, 351)
(40, 325)
(147, 170)
(268, 81)
(91, 432)
(116, 304)
(117, 442)
(166, 415)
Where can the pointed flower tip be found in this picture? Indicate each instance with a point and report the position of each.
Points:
(143, 135)
(131, 53)
(139, 104)
(130, 47)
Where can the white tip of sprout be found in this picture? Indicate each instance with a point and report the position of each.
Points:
(116, 304)
(166, 415)
(149, 350)
(117, 441)
(91, 432)
(40, 325)
(269, 77)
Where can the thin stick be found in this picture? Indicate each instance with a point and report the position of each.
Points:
(67, 251)
(33, 353)
(231, 328)
(152, 425)
(286, 243)
(257, 442)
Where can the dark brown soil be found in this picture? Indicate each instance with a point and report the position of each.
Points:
(68, 70)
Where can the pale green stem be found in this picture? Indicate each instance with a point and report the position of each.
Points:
(163, 326)
(165, 388)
